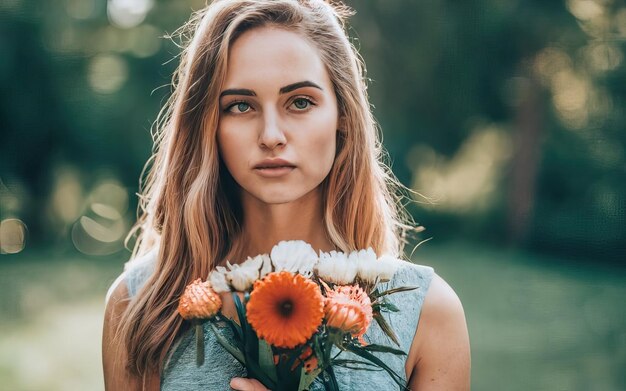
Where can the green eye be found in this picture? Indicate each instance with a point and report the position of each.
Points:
(242, 107)
(301, 104)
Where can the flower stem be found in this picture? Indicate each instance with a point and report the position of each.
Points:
(199, 344)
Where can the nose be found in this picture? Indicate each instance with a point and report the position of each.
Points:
(271, 136)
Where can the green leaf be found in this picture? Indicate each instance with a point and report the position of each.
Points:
(266, 360)
(383, 349)
(241, 310)
(227, 345)
(250, 339)
(306, 379)
(250, 343)
(333, 386)
(255, 372)
(369, 356)
(386, 328)
(389, 306)
(357, 365)
(397, 290)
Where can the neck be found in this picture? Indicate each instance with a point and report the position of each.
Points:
(265, 225)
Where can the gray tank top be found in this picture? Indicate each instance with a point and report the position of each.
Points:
(180, 372)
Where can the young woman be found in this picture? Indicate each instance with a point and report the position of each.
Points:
(268, 136)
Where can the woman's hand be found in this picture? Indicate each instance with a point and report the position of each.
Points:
(241, 384)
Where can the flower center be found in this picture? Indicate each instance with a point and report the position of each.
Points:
(285, 307)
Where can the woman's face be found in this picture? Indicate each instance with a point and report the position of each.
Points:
(278, 116)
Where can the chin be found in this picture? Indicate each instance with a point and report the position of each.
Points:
(277, 199)
(283, 194)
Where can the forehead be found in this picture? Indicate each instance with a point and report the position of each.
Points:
(273, 57)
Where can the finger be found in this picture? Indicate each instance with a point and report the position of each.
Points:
(242, 384)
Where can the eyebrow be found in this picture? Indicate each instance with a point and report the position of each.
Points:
(300, 84)
(283, 90)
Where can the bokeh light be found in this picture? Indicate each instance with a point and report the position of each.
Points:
(81, 9)
(128, 13)
(107, 73)
(585, 9)
(12, 236)
(602, 56)
(144, 41)
(101, 228)
(66, 200)
(467, 181)
(570, 94)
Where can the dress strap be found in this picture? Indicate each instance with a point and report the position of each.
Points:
(138, 270)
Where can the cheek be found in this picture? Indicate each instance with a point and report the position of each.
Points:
(323, 146)
(227, 147)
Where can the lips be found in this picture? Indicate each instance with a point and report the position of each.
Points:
(274, 168)
(273, 164)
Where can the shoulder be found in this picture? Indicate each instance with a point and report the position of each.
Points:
(440, 350)
(114, 351)
(116, 301)
(442, 302)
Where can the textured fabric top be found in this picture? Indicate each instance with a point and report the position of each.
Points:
(180, 372)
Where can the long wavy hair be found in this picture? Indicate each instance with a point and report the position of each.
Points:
(188, 203)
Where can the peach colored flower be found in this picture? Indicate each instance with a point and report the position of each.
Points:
(285, 309)
(199, 301)
(349, 309)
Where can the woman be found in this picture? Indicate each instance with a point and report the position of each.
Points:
(268, 136)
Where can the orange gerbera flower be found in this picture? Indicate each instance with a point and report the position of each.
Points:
(349, 309)
(285, 309)
(199, 301)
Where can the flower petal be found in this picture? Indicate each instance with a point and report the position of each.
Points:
(295, 256)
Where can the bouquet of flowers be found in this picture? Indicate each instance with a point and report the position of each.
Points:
(294, 308)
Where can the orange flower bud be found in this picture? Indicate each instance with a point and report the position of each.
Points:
(348, 308)
(199, 301)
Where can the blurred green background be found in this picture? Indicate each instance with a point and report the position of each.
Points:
(507, 117)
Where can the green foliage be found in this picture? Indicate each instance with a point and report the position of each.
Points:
(80, 90)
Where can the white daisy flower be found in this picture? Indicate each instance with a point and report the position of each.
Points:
(218, 281)
(295, 256)
(336, 267)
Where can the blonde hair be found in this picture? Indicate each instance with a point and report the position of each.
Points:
(187, 203)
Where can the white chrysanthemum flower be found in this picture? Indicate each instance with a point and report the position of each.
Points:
(365, 260)
(387, 266)
(218, 281)
(266, 265)
(336, 267)
(242, 276)
(372, 269)
(295, 256)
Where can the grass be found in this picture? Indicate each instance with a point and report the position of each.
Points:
(51, 313)
(536, 323)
